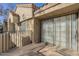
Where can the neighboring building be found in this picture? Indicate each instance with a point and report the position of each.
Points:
(13, 20)
(25, 12)
(24, 23)
(55, 23)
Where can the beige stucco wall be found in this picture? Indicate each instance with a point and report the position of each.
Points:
(10, 18)
(12, 22)
(37, 31)
(29, 27)
(24, 12)
(9, 21)
(34, 28)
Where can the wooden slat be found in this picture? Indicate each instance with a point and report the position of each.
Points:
(10, 40)
(0, 43)
(16, 39)
(7, 41)
(4, 49)
(20, 39)
(13, 40)
(9, 44)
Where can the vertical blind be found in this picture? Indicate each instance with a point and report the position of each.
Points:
(60, 31)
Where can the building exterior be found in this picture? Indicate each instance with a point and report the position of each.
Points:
(59, 25)
(12, 20)
(55, 23)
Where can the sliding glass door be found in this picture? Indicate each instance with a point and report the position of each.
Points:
(47, 31)
(74, 32)
(60, 31)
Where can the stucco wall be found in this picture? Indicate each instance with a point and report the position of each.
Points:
(24, 13)
(10, 20)
(34, 29)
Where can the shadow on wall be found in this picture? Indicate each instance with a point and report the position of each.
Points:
(11, 40)
(19, 39)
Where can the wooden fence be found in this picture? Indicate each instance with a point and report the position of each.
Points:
(10, 40)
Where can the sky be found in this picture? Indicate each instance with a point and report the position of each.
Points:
(39, 4)
(12, 6)
(6, 6)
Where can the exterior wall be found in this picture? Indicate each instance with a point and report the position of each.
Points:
(31, 28)
(12, 22)
(33, 25)
(10, 19)
(36, 34)
(24, 11)
(26, 25)
(24, 5)
(16, 27)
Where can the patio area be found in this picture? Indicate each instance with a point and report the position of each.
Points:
(39, 49)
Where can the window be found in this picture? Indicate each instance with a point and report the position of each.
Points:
(24, 26)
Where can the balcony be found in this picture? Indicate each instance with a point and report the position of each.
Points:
(45, 7)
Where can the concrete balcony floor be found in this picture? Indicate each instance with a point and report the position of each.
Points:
(39, 49)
